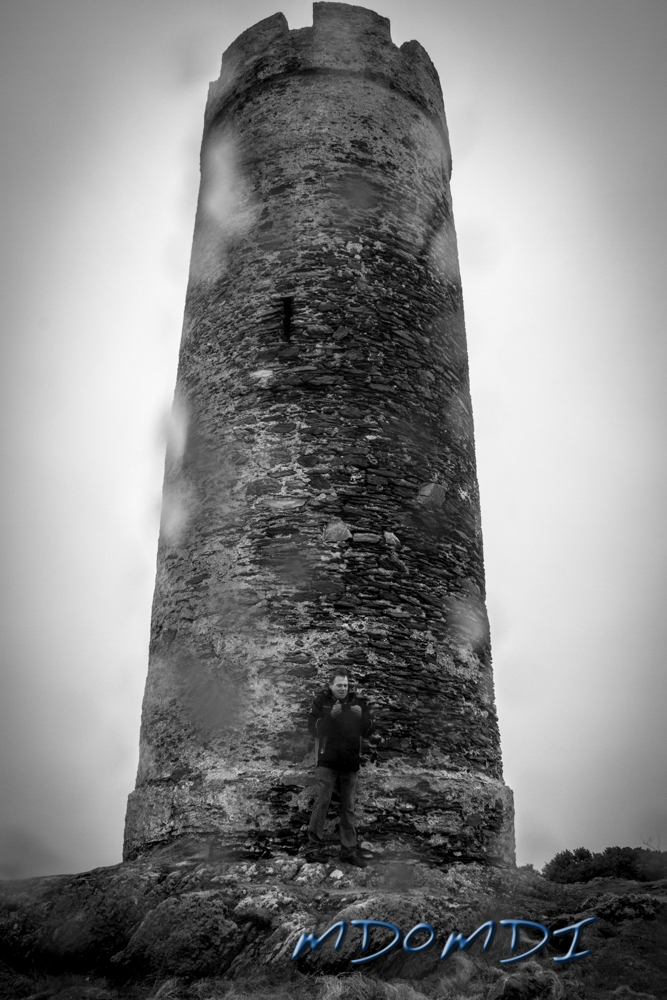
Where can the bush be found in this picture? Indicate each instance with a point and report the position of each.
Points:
(652, 864)
(643, 864)
(581, 865)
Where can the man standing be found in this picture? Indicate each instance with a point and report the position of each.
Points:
(339, 719)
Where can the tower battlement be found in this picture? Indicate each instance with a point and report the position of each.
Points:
(342, 39)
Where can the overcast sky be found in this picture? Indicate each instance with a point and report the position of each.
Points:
(556, 111)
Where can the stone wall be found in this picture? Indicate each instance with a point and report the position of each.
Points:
(321, 503)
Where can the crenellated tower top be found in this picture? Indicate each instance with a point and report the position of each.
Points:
(343, 39)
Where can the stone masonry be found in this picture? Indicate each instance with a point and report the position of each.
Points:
(320, 502)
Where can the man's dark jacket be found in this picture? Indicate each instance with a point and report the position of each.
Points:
(339, 738)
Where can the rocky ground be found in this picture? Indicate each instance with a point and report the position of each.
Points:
(178, 925)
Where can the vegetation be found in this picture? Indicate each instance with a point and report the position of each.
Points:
(468, 978)
(643, 864)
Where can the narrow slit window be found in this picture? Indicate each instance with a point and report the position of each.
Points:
(288, 304)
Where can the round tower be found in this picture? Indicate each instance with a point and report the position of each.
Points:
(320, 502)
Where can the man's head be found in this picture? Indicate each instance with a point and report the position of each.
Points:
(339, 683)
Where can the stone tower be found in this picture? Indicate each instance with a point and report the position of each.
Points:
(320, 501)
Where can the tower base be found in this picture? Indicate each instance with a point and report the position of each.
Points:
(434, 815)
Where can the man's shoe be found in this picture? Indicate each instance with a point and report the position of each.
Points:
(316, 855)
(355, 859)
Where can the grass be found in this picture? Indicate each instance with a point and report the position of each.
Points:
(467, 979)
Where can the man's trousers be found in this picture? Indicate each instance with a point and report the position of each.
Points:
(325, 778)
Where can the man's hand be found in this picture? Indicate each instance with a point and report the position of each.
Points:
(336, 710)
(356, 709)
